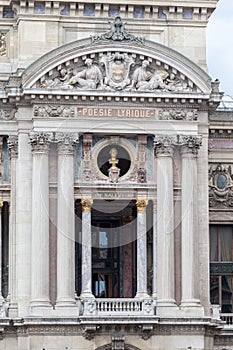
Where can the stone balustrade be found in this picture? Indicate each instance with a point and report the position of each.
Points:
(119, 307)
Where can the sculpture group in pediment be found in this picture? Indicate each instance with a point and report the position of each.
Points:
(116, 72)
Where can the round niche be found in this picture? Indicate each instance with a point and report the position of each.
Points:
(104, 159)
(114, 153)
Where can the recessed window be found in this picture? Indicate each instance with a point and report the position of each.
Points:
(138, 12)
(122, 156)
(187, 13)
(89, 10)
(7, 13)
(113, 11)
(39, 8)
(65, 11)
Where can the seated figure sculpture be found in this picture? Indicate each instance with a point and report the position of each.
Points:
(89, 78)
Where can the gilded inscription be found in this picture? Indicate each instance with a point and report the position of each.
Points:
(116, 112)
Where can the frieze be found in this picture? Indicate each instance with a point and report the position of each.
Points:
(221, 186)
(54, 112)
(7, 114)
(178, 114)
(2, 44)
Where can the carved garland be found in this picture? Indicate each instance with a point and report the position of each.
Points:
(2, 44)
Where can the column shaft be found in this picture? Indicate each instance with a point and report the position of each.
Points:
(13, 147)
(141, 249)
(189, 223)
(65, 226)
(1, 271)
(40, 222)
(24, 222)
(154, 285)
(86, 249)
(165, 224)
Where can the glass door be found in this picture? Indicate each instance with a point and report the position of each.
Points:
(105, 258)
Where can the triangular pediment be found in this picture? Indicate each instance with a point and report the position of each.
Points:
(126, 65)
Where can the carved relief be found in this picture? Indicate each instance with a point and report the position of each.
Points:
(39, 141)
(141, 172)
(87, 169)
(12, 142)
(178, 114)
(165, 144)
(53, 111)
(221, 186)
(117, 33)
(117, 68)
(7, 114)
(121, 71)
(2, 44)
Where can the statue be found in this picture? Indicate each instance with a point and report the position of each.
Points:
(114, 171)
(89, 78)
(145, 80)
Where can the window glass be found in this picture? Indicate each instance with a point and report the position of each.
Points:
(89, 10)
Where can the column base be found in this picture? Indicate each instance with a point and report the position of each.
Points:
(40, 308)
(167, 308)
(142, 295)
(191, 307)
(13, 310)
(66, 307)
(86, 295)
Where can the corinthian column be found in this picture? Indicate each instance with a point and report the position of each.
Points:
(65, 223)
(1, 270)
(141, 249)
(189, 149)
(165, 225)
(40, 222)
(86, 249)
(13, 148)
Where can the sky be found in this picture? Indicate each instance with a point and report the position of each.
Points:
(220, 45)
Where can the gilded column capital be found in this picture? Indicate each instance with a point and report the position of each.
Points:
(86, 204)
(40, 141)
(189, 144)
(1, 205)
(164, 144)
(141, 205)
(12, 142)
(66, 142)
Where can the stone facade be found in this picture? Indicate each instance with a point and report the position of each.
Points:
(104, 140)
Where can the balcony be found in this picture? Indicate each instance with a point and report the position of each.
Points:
(228, 318)
(118, 307)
